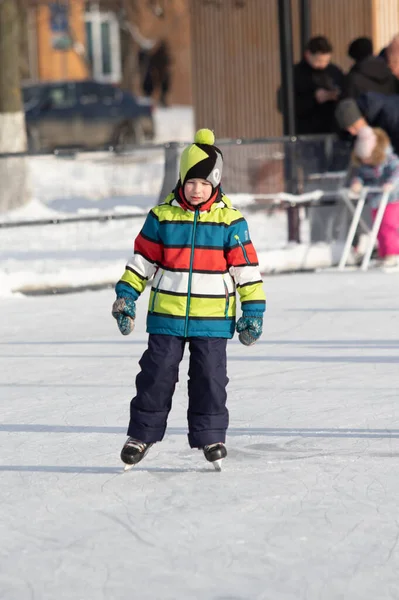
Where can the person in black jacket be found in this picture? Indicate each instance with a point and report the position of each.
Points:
(369, 73)
(370, 108)
(318, 85)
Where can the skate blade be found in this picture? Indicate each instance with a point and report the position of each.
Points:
(127, 468)
(217, 464)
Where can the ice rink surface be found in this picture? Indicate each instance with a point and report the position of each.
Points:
(306, 506)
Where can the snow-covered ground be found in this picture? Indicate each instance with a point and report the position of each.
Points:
(306, 506)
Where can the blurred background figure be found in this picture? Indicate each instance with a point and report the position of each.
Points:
(318, 84)
(155, 70)
(370, 108)
(390, 54)
(374, 164)
(369, 73)
(146, 81)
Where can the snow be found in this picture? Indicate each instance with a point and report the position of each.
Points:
(175, 123)
(306, 504)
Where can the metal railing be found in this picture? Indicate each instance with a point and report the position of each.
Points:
(356, 204)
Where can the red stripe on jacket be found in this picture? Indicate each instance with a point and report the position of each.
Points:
(152, 251)
(205, 259)
(235, 256)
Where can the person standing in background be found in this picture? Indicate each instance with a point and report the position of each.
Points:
(390, 54)
(161, 69)
(155, 71)
(146, 79)
(318, 85)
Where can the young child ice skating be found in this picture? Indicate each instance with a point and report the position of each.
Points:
(197, 248)
(375, 165)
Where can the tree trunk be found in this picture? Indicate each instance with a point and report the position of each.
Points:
(13, 171)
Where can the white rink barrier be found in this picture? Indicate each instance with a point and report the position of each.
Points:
(360, 201)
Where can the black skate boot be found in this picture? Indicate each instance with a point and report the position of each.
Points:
(133, 452)
(214, 453)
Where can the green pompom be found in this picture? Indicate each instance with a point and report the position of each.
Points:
(204, 136)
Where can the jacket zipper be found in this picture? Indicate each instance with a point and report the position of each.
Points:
(156, 292)
(226, 291)
(243, 249)
(190, 273)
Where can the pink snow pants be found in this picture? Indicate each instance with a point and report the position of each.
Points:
(388, 236)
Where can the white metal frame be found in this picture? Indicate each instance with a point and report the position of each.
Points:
(358, 221)
(355, 206)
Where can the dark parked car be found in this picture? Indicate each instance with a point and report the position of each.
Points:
(84, 114)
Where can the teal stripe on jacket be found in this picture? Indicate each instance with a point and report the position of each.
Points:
(162, 324)
(179, 234)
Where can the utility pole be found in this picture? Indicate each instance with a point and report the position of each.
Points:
(288, 106)
(305, 23)
(13, 170)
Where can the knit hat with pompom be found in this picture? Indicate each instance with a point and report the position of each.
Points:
(202, 160)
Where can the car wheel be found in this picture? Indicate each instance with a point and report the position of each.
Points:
(129, 133)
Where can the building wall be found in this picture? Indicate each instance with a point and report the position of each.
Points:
(235, 66)
(342, 21)
(55, 64)
(236, 57)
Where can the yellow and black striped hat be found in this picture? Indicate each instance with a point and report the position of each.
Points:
(202, 159)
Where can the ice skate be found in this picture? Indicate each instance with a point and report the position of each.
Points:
(215, 453)
(133, 452)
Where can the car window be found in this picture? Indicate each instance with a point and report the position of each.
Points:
(61, 96)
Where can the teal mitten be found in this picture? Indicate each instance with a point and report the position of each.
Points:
(249, 329)
(124, 311)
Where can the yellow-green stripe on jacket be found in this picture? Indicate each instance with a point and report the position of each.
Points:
(198, 260)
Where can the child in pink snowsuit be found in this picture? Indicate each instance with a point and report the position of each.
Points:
(375, 165)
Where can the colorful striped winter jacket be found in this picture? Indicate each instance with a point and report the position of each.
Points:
(198, 259)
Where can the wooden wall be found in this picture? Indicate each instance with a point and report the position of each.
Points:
(342, 21)
(235, 66)
(55, 64)
(385, 21)
(236, 57)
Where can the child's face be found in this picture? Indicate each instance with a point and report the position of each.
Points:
(197, 191)
(357, 126)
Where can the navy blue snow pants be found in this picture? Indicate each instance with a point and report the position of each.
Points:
(207, 415)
